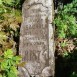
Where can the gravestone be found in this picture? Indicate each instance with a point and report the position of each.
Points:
(37, 39)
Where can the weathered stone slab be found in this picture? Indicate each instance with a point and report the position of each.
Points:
(36, 39)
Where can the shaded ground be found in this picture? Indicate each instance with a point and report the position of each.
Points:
(66, 66)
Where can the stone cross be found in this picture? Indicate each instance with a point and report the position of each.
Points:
(37, 39)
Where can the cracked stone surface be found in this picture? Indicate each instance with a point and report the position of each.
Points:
(37, 39)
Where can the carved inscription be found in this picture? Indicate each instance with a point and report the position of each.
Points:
(34, 40)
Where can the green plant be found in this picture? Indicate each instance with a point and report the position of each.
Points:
(66, 20)
(12, 3)
(10, 21)
(8, 64)
(66, 26)
(66, 38)
(73, 74)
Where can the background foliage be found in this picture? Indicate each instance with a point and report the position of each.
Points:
(66, 38)
(10, 21)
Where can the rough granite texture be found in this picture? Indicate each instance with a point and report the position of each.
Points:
(37, 39)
